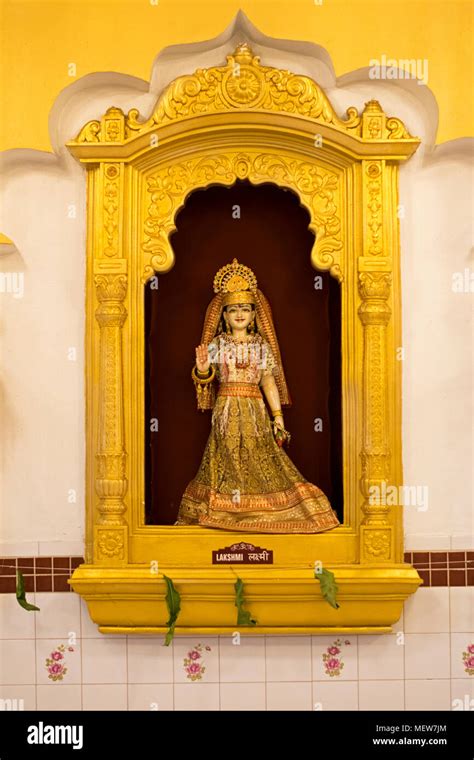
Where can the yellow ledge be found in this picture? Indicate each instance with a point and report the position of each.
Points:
(131, 600)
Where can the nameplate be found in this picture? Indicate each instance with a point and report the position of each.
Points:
(242, 554)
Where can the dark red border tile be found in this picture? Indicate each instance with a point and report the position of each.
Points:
(60, 583)
(457, 557)
(425, 577)
(44, 583)
(8, 566)
(7, 585)
(440, 559)
(43, 565)
(421, 558)
(40, 573)
(439, 577)
(29, 583)
(457, 577)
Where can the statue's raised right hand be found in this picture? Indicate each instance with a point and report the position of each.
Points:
(202, 358)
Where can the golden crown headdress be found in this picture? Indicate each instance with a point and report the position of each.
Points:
(237, 283)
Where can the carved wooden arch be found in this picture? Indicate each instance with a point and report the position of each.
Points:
(317, 188)
(242, 121)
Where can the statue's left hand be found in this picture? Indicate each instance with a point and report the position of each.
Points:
(282, 436)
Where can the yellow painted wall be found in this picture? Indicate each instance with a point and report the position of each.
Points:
(40, 39)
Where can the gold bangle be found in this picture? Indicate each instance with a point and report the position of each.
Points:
(203, 380)
(276, 412)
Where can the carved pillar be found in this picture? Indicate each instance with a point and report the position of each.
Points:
(374, 282)
(374, 312)
(110, 482)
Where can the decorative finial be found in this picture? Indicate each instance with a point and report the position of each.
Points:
(243, 53)
(373, 106)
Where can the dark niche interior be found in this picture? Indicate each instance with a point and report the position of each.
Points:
(266, 228)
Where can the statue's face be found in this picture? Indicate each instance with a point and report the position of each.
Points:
(239, 315)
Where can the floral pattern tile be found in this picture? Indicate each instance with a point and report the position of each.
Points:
(56, 663)
(468, 660)
(195, 660)
(333, 657)
(194, 663)
(462, 655)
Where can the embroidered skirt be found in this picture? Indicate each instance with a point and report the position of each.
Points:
(246, 482)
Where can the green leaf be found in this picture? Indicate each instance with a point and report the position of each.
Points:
(243, 616)
(20, 593)
(173, 600)
(329, 588)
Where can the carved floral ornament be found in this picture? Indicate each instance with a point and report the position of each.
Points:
(317, 188)
(244, 84)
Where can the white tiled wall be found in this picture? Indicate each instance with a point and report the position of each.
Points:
(419, 666)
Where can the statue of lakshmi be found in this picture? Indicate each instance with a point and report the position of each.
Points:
(246, 481)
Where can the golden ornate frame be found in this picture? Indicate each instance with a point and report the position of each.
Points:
(242, 120)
